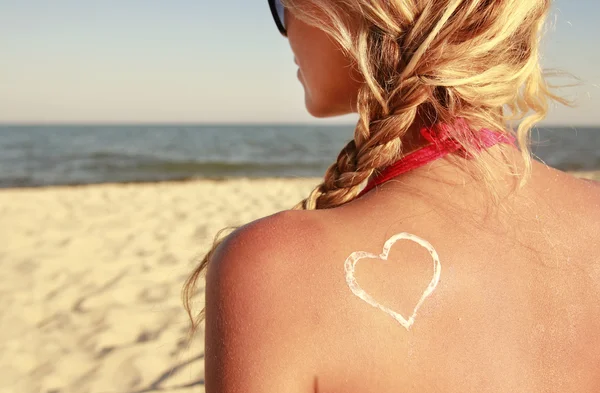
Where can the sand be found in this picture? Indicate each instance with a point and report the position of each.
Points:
(91, 280)
(589, 175)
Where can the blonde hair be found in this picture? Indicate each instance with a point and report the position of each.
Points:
(476, 61)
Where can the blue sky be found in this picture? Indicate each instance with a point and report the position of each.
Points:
(150, 61)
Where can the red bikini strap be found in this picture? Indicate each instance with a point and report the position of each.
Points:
(441, 144)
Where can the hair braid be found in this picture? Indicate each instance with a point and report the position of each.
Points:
(387, 105)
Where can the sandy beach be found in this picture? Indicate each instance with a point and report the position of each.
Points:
(90, 289)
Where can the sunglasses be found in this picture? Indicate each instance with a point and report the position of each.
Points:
(277, 10)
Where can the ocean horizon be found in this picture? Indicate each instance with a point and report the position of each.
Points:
(39, 155)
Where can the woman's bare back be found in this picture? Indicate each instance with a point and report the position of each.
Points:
(516, 308)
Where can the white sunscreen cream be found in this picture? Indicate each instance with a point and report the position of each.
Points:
(356, 256)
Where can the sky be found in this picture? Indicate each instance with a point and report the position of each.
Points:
(200, 61)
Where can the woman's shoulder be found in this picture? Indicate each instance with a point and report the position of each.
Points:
(273, 236)
(265, 259)
(582, 192)
(254, 315)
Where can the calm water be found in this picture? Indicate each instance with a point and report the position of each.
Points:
(53, 155)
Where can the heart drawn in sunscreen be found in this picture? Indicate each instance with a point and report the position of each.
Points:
(353, 259)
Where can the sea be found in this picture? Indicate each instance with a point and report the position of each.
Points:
(49, 155)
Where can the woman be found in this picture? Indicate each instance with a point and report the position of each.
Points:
(463, 266)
